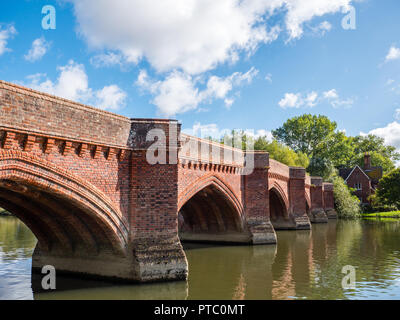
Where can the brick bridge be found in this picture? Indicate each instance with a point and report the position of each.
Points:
(81, 180)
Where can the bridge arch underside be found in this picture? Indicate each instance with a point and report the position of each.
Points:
(210, 216)
(78, 229)
(61, 226)
(279, 214)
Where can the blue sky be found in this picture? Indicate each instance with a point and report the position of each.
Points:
(214, 64)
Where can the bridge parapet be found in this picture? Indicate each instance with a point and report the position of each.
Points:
(29, 111)
(208, 152)
(279, 169)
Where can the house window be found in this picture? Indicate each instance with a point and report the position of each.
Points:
(358, 186)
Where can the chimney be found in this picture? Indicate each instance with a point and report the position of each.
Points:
(367, 161)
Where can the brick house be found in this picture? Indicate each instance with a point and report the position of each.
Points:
(364, 180)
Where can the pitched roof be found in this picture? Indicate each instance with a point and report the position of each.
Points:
(357, 166)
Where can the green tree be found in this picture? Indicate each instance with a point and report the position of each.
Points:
(281, 153)
(388, 192)
(319, 139)
(306, 133)
(347, 205)
(276, 150)
(381, 154)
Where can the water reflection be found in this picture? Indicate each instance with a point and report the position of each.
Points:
(304, 265)
(16, 247)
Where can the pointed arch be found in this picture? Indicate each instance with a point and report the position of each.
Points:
(204, 182)
(276, 187)
(61, 208)
(209, 206)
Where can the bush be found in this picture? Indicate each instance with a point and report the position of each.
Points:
(378, 206)
(388, 192)
(347, 205)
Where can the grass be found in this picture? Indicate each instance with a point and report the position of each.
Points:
(392, 214)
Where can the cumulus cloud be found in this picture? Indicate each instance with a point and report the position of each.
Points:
(298, 100)
(301, 11)
(311, 99)
(391, 134)
(6, 33)
(73, 84)
(331, 94)
(183, 39)
(39, 48)
(179, 92)
(393, 54)
(291, 100)
(110, 97)
(194, 35)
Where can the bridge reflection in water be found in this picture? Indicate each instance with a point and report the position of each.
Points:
(304, 264)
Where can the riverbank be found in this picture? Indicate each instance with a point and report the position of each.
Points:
(392, 214)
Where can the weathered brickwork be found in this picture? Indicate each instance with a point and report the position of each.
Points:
(329, 201)
(83, 182)
(34, 112)
(318, 214)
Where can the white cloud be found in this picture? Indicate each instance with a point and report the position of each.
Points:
(229, 102)
(291, 100)
(268, 77)
(331, 94)
(73, 84)
(191, 35)
(301, 11)
(322, 28)
(39, 48)
(5, 34)
(107, 60)
(311, 99)
(391, 134)
(394, 54)
(298, 100)
(178, 92)
(194, 36)
(181, 39)
(110, 97)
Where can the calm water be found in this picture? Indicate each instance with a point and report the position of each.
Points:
(304, 265)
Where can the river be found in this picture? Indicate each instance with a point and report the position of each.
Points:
(304, 265)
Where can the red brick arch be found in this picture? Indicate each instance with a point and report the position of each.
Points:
(204, 182)
(281, 192)
(36, 191)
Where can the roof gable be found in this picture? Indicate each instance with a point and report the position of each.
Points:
(352, 172)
